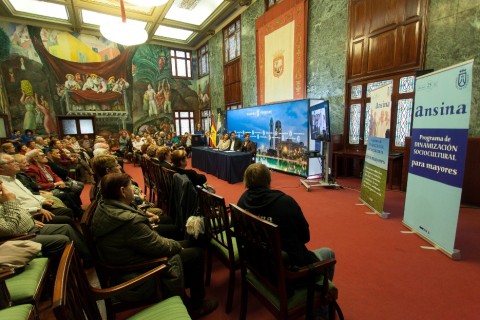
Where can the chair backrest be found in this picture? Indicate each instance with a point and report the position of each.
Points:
(259, 247)
(167, 185)
(216, 219)
(184, 201)
(73, 296)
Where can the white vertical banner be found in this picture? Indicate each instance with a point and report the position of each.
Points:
(441, 118)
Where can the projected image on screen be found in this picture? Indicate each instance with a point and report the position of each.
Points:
(280, 131)
(320, 122)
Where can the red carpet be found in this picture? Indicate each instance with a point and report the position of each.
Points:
(380, 272)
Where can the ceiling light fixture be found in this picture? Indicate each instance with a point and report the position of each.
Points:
(123, 32)
(147, 3)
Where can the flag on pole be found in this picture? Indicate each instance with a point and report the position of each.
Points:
(213, 134)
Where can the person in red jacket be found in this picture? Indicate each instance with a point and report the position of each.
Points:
(49, 181)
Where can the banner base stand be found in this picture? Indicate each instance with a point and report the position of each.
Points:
(319, 183)
(383, 214)
(455, 255)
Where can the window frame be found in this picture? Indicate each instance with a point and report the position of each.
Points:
(174, 63)
(203, 53)
(177, 120)
(396, 96)
(236, 35)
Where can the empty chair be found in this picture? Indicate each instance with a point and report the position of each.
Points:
(220, 238)
(287, 293)
(75, 299)
(8, 312)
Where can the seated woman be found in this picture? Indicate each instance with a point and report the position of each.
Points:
(179, 160)
(224, 143)
(164, 157)
(163, 224)
(125, 237)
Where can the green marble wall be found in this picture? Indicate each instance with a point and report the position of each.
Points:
(215, 47)
(453, 37)
(327, 31)
(248, 45)
(326, 56)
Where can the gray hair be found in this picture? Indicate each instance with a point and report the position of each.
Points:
(2, 158)
(30, 155)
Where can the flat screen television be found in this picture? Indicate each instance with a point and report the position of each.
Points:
(319, 121)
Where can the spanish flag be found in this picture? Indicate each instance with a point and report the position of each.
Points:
(213, 134)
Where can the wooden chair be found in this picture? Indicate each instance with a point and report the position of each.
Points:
(146, 177)
(220, 237)
(167, 186)
(106, 272)
(7, 309)
(75, 299)
(265, 274)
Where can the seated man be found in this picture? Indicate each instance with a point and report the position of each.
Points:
(281, 209)
(14, 219)
(30, 202)
(49, 181)
(179, 161)
(235, 143)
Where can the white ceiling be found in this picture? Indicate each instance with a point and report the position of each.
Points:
(177, 23)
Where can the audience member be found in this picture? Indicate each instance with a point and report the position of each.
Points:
(8, 148)
(16, 138)
(14, 219)
(179, 161)
(27, 136)
(164, 157)
(124, 236)
(281, 209)
(49, 181)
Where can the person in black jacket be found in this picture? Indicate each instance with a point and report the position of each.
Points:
(235, 143)
(179, 161)
(282, 210)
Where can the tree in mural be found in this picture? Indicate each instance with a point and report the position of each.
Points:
(152, 65)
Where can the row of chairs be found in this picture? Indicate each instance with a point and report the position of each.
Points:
(243, 241)
(224, 245)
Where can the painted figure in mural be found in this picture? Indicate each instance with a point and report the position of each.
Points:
(48, 123)
(120, 85)
(150, 97)
(167, 105)
(78, 79)
(70, 84)
(203, 98)
(29, 102)
(110, 83)
(160, 98)
(11, 74)
(89, 84)
(100, 86)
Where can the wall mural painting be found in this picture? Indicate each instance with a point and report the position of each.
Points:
(144, 95)
(25, 90)
(156, 94)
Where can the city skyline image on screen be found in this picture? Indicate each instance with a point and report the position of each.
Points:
(280, 131)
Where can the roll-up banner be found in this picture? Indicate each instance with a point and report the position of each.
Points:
(374, 178)
(437, 155)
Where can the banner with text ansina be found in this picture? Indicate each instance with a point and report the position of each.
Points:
(437, 155)
(374, 178)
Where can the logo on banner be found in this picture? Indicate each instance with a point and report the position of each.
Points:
(278, 64)
(462, 79)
